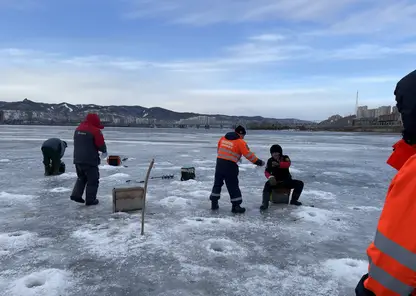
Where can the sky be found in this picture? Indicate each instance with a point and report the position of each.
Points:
(274, 58)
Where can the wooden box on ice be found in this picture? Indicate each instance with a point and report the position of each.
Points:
(128, 199)
(280, 196)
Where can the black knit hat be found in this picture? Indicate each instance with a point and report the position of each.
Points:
(405, 93)
(276, 148)
(240, 130)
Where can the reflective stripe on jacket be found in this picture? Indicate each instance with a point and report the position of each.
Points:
(233, 150)
(392, 254)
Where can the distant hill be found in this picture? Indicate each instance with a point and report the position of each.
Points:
(337, 121)
(66, 110)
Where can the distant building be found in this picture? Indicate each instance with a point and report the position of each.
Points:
(361, 112)
(364, 112)
(389, 119)
(383, 110)
(395, 110)
(371, 113)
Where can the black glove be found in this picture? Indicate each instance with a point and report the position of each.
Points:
(259, 162)
(272, 181)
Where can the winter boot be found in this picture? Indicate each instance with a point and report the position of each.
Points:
(294, 200)
(265, 203)
(237, 209)
(214, 205)
(77, 199)
(47, 170)
(92, 203)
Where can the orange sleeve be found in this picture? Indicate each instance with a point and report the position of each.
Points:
(245, 151)
(392, 253)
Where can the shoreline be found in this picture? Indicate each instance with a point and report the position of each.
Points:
(358, 129)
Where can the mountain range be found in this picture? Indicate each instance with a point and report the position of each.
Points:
(65, 110)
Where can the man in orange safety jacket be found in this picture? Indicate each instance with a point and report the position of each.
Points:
(392, 254)
(230, 149)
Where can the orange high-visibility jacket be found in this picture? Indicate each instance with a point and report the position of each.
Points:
(233, 149)
(392, 254)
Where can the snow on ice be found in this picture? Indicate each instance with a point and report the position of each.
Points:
(52, 246)
(48, 282)
(60, 189)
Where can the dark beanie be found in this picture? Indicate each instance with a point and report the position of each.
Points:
(405, 93)
(276, 148)
(240, 130)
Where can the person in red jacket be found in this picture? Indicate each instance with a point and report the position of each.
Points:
(278, 176)
(88, 141)
(392, 253)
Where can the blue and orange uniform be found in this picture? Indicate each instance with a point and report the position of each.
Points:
(231, 148)
(392, 254)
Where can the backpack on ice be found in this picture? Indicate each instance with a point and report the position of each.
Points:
(114, 160)
(187, 173)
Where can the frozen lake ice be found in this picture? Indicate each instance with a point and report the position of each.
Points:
(52, 246)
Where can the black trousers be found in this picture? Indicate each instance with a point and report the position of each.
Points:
(51, 161)
(226, 171)
(360, 290)
(296, 185)
(88, 180)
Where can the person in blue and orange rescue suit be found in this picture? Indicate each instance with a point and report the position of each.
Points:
(278, 175)
(230, 148)
(392, 254)
(88, 140)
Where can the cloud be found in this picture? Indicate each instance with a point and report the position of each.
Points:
(51, 77)
(372, 51)
(234, 11)
(385, 19)
(375, 79)
(238, 82)
(268, 37)
(279, 70)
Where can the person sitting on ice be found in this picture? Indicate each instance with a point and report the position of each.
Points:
(278, 175)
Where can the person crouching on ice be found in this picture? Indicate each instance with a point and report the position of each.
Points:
(230, 149)
(278, 175)
(53, 150)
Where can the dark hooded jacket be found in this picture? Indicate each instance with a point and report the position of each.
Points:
(278, 168)
(56, 145)
(405, 93)
(88, 140)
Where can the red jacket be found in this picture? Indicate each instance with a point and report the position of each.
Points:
(88, 140)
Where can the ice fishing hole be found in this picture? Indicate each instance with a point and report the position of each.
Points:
(351, 263)
(32, 283)
(15, 234)
(199, 219)
(312, 214)
(217, 247)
